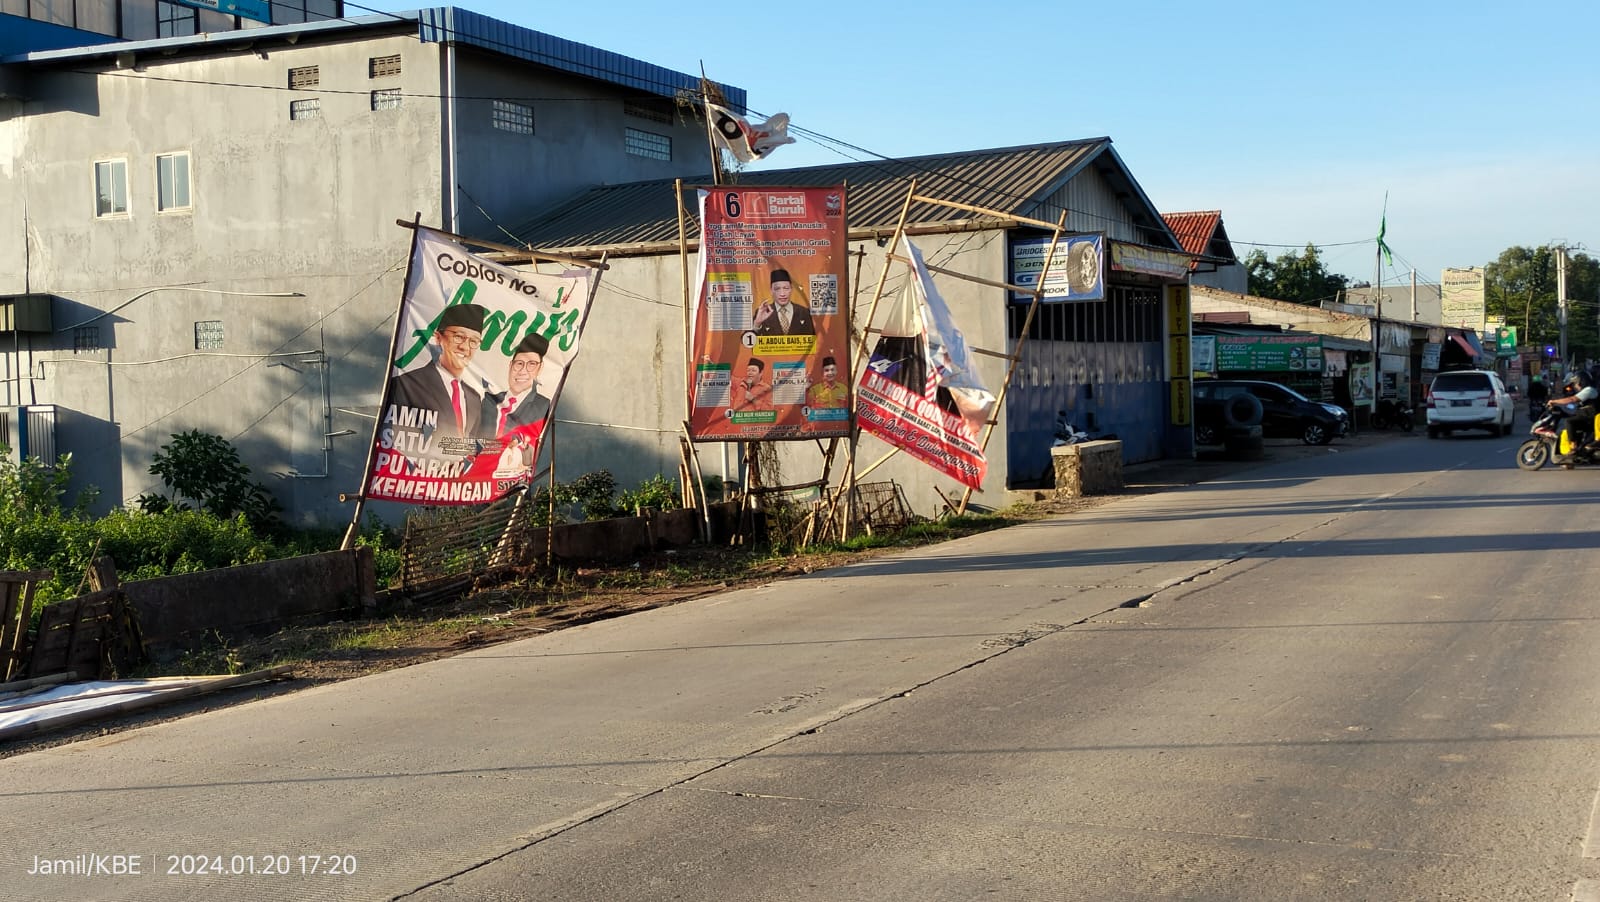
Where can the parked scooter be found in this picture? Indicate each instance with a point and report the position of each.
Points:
(1066, 433)
(1552, 443)
(1393, 412)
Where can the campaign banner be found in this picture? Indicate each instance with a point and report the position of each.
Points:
(920, 391)
(771, 340)
(478, 363)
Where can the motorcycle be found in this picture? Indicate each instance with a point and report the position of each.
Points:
(1552, 443)
(1393, 412)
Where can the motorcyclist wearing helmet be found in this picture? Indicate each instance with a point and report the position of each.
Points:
(1580, 389)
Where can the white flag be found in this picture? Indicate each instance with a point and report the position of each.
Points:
(747, 142)
(950, 364)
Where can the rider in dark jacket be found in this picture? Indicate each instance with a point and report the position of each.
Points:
(1580, 389)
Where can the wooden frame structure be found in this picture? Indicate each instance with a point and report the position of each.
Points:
(891, 256)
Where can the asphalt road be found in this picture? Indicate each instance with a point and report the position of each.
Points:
(1367, 675)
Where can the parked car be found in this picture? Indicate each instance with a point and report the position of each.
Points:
(1284, 412)
(1469, 399)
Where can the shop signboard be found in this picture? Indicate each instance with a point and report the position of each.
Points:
(1269, 353)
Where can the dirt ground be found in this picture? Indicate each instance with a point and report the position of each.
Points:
(527, 606)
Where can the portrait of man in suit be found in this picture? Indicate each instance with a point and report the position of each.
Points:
(779, 315)
(519, 410)
(451, 406)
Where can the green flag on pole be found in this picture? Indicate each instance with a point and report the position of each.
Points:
(1383, 226)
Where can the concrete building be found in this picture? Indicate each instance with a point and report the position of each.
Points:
(199, 232)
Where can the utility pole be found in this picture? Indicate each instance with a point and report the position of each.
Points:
(1561, 298)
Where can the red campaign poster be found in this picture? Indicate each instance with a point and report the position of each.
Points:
(771, 348)
(920, 391)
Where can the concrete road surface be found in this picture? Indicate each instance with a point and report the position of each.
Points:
(1368, 675)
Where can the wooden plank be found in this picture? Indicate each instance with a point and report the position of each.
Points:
(13, 629)
(23, 687)
(25, 576)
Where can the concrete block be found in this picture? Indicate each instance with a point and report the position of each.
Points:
(1088, 468)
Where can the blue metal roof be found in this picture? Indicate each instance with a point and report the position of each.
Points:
(465, 27)
(19, 34)
(445, 24)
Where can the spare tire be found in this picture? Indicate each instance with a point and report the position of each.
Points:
(1243, 409)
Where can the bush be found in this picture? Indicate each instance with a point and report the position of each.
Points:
(206, 470)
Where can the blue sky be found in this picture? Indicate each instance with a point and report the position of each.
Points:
(1292, 119)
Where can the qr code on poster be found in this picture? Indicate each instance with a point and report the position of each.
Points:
(825, 293)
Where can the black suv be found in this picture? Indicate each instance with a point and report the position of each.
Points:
(1281, 411)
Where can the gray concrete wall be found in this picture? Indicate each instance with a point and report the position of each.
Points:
(277, 206)
(291, 206)
(577, 143)
(177, 612)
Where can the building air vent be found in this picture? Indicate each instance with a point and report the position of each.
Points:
(304, 77)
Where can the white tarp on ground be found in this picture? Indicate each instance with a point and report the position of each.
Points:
(50, 703)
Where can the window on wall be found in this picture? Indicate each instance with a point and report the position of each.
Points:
(647, 144)
(172, 182)
(174, 20)
(383, 66)
(310, 108)
(208, 335)
(111, 188)
(85, 339)
(290, 12)
(654, 110)
(386, 99)
(513, 117)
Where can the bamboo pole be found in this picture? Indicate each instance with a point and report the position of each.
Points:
(532, 255)
(1016, 350)
(860, 362)
(349, 540)
(957, 205)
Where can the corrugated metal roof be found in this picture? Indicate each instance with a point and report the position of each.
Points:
(1194, 230)
(437, 24)
(463, 26)
(1010, 180)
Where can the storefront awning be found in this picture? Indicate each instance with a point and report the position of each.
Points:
(1468, 342)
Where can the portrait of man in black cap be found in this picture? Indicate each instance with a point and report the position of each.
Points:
(779, 315)
(520, 407)
(442, 386)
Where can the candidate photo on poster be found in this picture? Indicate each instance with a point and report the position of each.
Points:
(779, 314)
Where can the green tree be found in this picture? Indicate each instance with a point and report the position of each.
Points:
(1520, 286)
(1298, 278)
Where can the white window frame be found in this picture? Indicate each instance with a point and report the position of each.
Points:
(118, 165)
(188, 184)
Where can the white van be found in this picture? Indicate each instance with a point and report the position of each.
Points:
(1469, 399)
